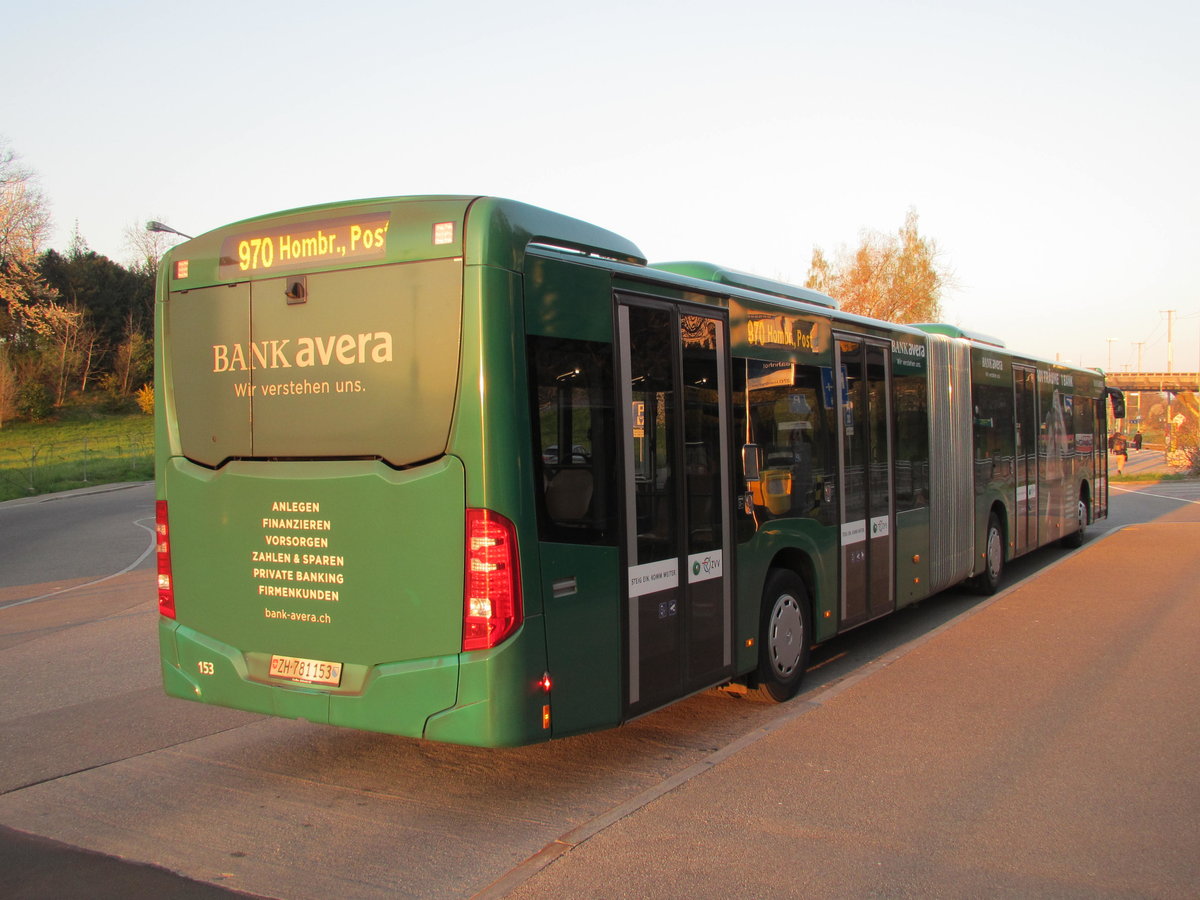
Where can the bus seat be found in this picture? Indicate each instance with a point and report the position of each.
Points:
(569, 495)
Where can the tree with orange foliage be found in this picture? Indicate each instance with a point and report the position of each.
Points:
(893, 277)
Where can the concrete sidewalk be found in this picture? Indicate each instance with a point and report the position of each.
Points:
(1045, 745)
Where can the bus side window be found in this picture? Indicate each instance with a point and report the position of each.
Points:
(911, 407)
(995, 435)
(574, 440)
(1085, 428)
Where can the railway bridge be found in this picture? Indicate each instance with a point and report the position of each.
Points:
(1160, 382)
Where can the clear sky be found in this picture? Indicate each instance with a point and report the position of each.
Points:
(1050, 148)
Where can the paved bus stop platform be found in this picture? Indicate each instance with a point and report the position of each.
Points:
(1047, 744)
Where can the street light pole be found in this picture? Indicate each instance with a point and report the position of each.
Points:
(165, 229)
(1170, 338)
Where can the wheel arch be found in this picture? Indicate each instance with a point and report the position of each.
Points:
(785, 636)
(799, 562)
(1085, 515)
(986, 579)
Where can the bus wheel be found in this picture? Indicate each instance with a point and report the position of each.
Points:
(988, 581)
(1075, 538)
(785, 635)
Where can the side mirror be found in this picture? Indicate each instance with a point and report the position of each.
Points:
(1118, 402)
(751, 465)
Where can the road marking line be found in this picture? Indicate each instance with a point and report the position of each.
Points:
(1150, 494)
(133, 565)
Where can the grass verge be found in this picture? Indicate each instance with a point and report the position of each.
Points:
(83, 447)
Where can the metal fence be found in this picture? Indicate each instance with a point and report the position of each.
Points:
(62, 465)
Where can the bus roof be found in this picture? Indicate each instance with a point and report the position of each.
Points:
(484, 230)
(732, 277)
(515, 226)
(955, 332)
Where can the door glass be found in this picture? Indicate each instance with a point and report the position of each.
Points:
(1027, 438)
(1100, 454)
(853, 428)
(653, 416)
(704, 457)
(879, 477)
(702, 432)
(655, 638)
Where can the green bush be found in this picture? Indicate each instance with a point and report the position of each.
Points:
(34, 401)
(112, 400)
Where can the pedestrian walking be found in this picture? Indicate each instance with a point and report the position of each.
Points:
(1120, 451)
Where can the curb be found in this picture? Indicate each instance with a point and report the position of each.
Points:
(77, 492)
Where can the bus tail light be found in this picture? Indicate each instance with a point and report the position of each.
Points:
(492, 609)
(162, 546)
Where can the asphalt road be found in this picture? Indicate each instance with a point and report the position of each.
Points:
(1142, 462)
(76, 535)
(92, 755)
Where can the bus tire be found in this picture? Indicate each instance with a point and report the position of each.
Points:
(1075, 538)
(784, 636)
(987, 582)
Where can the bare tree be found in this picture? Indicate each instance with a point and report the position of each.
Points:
(895, 277)
(89, 349)
(132, 362)
(146, 248)
(24, 210)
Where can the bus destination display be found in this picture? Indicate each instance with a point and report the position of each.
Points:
(340, 240)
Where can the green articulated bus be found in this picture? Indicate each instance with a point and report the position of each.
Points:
(462, 469)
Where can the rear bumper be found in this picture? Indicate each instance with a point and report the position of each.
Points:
(490, 698)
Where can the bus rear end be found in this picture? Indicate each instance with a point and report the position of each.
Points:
(314, 528)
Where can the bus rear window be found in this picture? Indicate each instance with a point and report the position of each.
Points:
(353, 363)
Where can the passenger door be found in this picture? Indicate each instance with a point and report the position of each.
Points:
(672, 375)
(864, 389)
(1025, 386)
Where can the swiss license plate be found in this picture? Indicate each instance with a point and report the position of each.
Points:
(309, 671)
